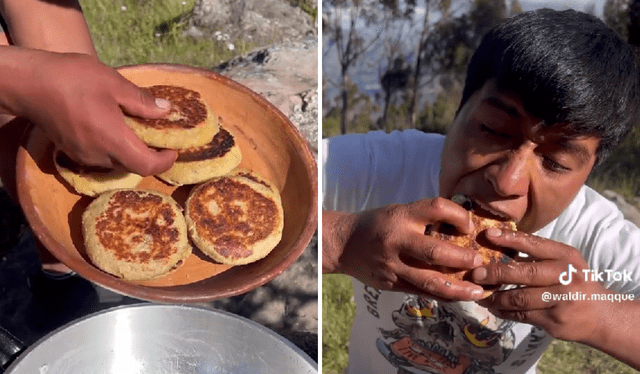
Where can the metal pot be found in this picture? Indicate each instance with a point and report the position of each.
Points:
(156, 339)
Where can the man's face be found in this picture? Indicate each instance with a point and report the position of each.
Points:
(498, 154)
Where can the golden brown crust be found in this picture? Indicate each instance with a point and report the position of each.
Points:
(135, 234)
(234, 220)
(199, 164)
(186, 107)
(482, 220)
(189, 123)
(221, 144)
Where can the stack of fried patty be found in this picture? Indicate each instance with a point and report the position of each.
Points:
(235, 217)
(205, 149)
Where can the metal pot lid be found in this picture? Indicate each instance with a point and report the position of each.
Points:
(152, 338)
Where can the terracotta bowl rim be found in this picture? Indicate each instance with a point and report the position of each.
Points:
(170, 295)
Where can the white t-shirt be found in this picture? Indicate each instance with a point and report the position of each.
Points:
(395, 332)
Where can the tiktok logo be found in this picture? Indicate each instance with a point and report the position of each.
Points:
(565, 276)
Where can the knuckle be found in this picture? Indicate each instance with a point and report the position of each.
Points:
(561, 319)
(438, 204)
(498, 273)
(144, 169)
(392, 212)
(519, 316)
(533, 240)
(519, 299)
(529, 272)
(430, 284)
(432, 252)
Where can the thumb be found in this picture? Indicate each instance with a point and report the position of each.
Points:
(138, 158)
(137, 101)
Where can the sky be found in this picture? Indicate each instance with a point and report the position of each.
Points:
(367, 77)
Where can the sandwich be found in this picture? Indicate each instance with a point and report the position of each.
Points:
(482, 219)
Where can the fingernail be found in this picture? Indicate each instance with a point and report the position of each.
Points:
(162, 103)
(487, 294)
(477, 260)
(477, 294)
(479, 274)
(492, 231)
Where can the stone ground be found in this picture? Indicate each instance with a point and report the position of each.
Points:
(32, 305)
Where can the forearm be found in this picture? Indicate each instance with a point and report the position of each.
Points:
(51, 25)
(618, 332)
(18, 77)
(336, 229)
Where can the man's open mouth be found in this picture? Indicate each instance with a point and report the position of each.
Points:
(470, 203)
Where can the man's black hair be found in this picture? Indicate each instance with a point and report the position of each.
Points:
(568, 68)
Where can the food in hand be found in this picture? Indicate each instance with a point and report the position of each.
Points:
(482, 219)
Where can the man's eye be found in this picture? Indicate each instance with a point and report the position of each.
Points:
(553, 166)
(488, 130)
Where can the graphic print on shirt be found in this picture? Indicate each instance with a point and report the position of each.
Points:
(445, 338)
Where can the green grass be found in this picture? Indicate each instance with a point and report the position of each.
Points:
(572, 358)
(142, 31)
(338, 310)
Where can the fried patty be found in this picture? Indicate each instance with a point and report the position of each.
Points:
(482, 220)
(198, 164)
(235, 219)
(135, 234)
(92, 180)
(189, 123)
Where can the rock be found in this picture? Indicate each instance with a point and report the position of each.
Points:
(287, 76)
(262, 22)
(629, 211)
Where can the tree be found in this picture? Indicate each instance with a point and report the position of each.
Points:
(447, 45)
(443, 6)
(341, 21)
(616, 15)
(394, 79)
(360, 119)
(393, 72)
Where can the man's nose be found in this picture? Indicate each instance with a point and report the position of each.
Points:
(510, 176)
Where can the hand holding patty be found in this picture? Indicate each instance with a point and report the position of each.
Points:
(387, 248)
(564, 319)
(79, 102)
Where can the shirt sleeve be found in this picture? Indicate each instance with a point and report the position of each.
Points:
(364, 171)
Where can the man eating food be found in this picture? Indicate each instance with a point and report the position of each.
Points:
(548, 95)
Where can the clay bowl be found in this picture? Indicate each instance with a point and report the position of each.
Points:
(270, 145)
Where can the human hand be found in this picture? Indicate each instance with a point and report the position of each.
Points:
(79, 103)
(562, 318)
(387, 248)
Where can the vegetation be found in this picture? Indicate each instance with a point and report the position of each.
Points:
(307, 7)
(141, 31)
(337, 302)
